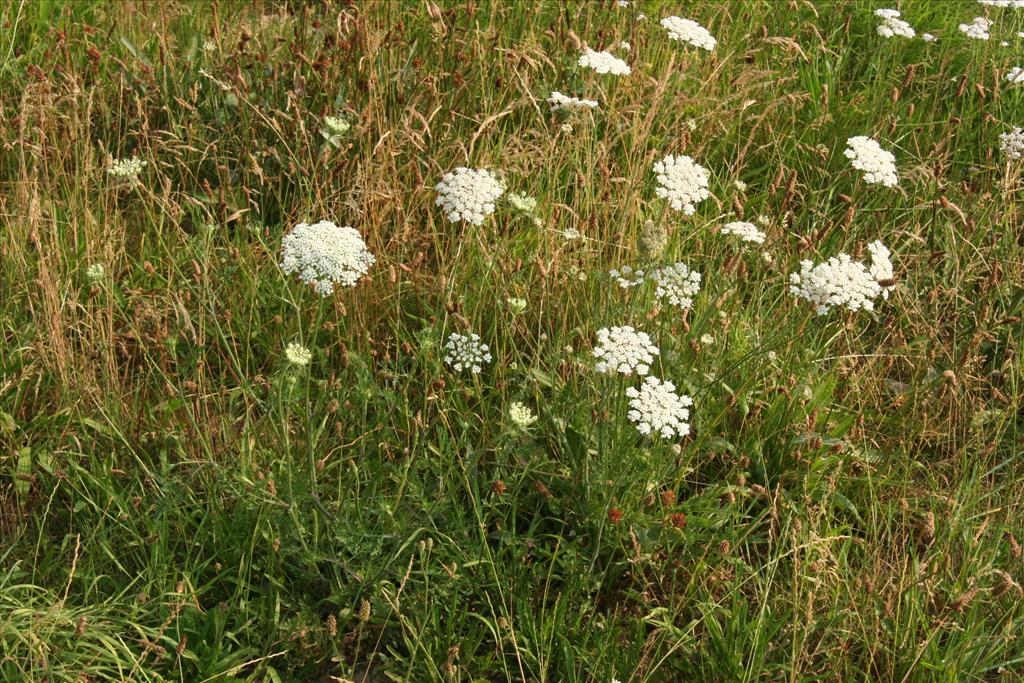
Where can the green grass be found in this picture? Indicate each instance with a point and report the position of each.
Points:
(178, 504)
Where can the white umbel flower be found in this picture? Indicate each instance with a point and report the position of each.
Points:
(325, 255)
(521, 415)
(927, 37)
(881, 267)
(677, 283)
(624, 350)
(126, 168)
(559, 101)
(1012, 4)
(866, 155)
(468, 194)
(466, 352)
(298, 355)
(1015, 75)
(842, 282)
(627, 276)
(689, 31)
(1012, 143)
(977, 29)
(748, 232)
(656, 408)
(892, 25)
(604, 63)
(95, 272)
(682, 181)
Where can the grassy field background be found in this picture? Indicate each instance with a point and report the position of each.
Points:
(178, 503)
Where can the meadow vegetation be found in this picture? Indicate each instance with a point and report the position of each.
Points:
(210, 472)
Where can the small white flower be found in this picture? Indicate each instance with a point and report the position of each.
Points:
(622, 3)
(559, 101)
(566, 128)
(126, 168)
(571, 234)
(740, 185)
(209, 45)
(468, 195)
(656, 408)
(682, 181)
(624, 350)
(466, 352)
(1012, 143)
(336, 125)
(298, 355)
(1013, 4)
(977, 29)
(842, 282)
(866, 155)
(325, 255)
(641, 17)
(520, 415)
(677, 283)
(688, 31)
(627, 277)
(624, 46)
(748, 232)
(95, 272)
(1015, 75)
(707, 339)
(927, 37)
(521, 202)
(881, 266)
(892, 25)
(516, 305)
(604, 63)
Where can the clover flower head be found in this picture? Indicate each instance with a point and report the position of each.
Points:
(689, 31)
(521, 415)
(842, 282)
(977, 29)
(126, 168)
(468, 195)
(298, 355)
(624, 350)
(1015, 75)
(559, 101)
(604, 63)
(682, 181)
(1012, 143)
(95, 272)
(325, 255)
(466, 352)
(748, 232)
(677, 283)
(627, 276)
(656, 408)
(892, 25)
(866, 155)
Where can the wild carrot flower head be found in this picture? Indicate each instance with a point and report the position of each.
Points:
(881, 267)
(126, 168)
(748, 232)
(468, 195)
(95, 272)
(325, 255)
(624, 350)
(559, 101)
(892, 25)
(688, 31)
(866, 155)
(627, 276)
(1012, 143)
(682, 181)
(521, 415)
(977, 29)
(298, 355)
(466, 352)
(842, 282)
(676, 283)
(1015, 75)
(656, 408)
(604, 63)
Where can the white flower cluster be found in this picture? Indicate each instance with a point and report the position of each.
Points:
(1015, 75)
(748, 232)
(468, 194)
(881, 267)
(892, 25)
(927, 37)
(95, 272)
(977, 29)
(325, 254)
(656, 408)
(521, 202)
(466, 352)
(1012, 4)
(677, 283)
(624, 350)
(126, 168)
(298, 355)
(682, 181)
(689, 31)
(866, 155)
(1012, 143)
(604, 63)
(627, 277)
(560, 101)
(521, 415)
(841, 281)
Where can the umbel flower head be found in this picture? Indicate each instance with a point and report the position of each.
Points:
(676, 283)
(682, 181)
(559, 101)
(1012, 143)
(689, 31)
(325, 255)
(977, 29)
(878, 165)
(842, 282)
(656, 408)
(298, 355)
(892, 25)
(126, 168)
(466, 352)
(468, 194)
(627, 276)
(748, 232)
(604, 63)
(520, 415)
(1015, 75)
(624, 350)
